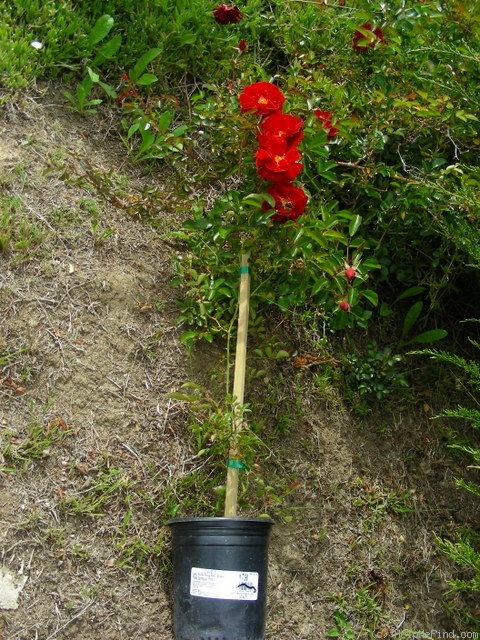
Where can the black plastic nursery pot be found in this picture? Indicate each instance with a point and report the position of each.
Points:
(220, 577)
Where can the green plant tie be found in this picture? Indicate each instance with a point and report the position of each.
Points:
(245, 269)
(236, 464)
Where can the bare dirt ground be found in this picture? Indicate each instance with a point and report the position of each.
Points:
(87, 319)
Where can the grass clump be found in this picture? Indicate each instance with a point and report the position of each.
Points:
(20, 450)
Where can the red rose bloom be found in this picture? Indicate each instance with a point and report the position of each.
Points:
(325, 117)
(280, 126)
(278, 161)
(290, 201)
(263, 97)
(225, 14)
(362, 39)
(332, 132)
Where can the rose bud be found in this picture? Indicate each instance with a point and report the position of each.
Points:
(350, 273)
(344, 306)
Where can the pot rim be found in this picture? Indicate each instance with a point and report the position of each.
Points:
(220, 519)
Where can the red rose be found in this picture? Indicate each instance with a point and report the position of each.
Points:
(344, 306)
(332, 132)
(263, 97)
(367, 37)
(242, 45)
(227, 14)
(290, 201)
(278, 161)
(280, 126)
(325, 117)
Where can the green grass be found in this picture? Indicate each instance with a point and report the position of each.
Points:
(21, 449)
(21, 239)
(108, 491)
(54, 24)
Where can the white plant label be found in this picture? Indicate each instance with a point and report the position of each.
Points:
(224, 585)
(11, 585)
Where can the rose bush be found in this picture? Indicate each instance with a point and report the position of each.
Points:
(389, 148)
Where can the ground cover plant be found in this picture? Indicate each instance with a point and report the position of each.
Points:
(137, 163)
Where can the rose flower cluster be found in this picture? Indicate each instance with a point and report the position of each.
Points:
(277, 158)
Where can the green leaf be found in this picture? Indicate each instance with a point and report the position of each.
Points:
(284, 302)
(189, 335)
(148, 138)
(184, 397)
(438, 162)
(94, 76)
(371, 263)
(110, 91)
(385, 310)
(143, 62)
(164, 121)
(333, 633)
(93, 103)
(100, 29)
(320, 284)
(257, 199)
(188, 38)
(331, 177)
(340, 619)
(371, 296)
(174, 509)
(412, 316)
(84, 88)
(428, 336)
(461, 115)
(354, 225)
(331, 233)
(147, 79)
(282, 354)
(179, 131)
(317, 237)
(135, 126)
(109, 49)
(69, 97)
(198, 223)
(408, 293)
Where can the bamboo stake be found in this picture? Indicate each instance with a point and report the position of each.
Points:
(234, 464)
